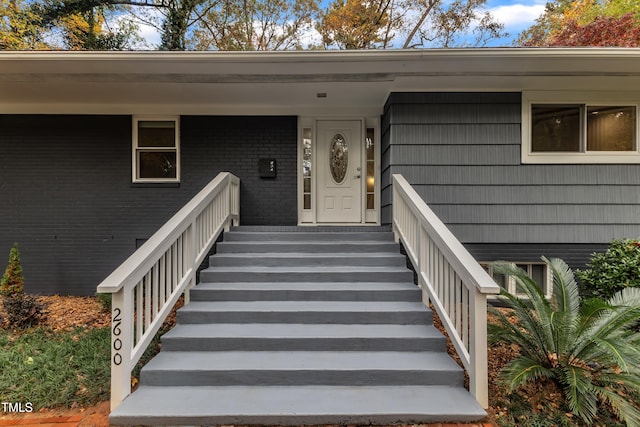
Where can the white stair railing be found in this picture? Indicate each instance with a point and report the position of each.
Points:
(148, 284)
(450, 278)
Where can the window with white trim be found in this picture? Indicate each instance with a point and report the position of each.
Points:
(601, 131)
(538, 271)
(156, 149)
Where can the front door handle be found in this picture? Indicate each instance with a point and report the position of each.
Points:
(356, 177)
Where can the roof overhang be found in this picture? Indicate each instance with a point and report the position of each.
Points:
(355, 82)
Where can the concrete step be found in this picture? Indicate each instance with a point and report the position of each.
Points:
(292, 406)
(329, 312)
(301, 368)
(303, 337)
(306, 291)
(289, 259)
(308, 247)
(313, 229)
(312, 274)
(301, 236)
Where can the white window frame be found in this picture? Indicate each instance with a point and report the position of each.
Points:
(136, 149)
(547, 286)
(584, 99)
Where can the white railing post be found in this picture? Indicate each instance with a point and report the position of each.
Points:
(192, 250)
(121, 345)
(451, 280)
(152, 279)
(479, 381)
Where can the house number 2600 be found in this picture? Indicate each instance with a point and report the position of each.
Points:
(117, 343)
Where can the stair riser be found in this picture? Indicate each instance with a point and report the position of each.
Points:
(302, 377)
(285, 295)
(307, 247)
(304, 344)
(293, 420)
(309, 317)
(298, 261)
(306, 237)
(296, 406)
(292, 276)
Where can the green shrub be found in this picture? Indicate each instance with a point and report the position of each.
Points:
(12, 281)
(587, 348)
(611, 271)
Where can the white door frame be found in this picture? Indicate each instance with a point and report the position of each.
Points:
(307, 129)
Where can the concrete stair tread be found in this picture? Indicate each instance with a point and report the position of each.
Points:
(307, 235)
(310, 241)
(310, 255)
(302, 360)
(312, 331)
(281, 306)
(297, 405)
(308, 269)
(307, 286)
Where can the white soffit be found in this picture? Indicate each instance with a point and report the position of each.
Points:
(288, 82)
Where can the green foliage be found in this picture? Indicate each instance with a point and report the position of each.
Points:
(22, 311)
(19, 27)
(611, 271)
(105, 302)
(55, 369)
(587, 348)
(12, 282)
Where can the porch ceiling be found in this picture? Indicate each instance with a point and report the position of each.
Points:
(355, 82)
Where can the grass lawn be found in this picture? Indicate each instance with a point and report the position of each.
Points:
(50, 369)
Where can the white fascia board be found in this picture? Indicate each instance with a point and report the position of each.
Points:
(491, 59)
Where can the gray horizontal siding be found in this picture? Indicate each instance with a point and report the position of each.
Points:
(453, 114)
(439, 134)
(542, 233)
(454, 155)
(499, 175)
(576, 254)
(461, 152)
(561, 215)
(528, 194)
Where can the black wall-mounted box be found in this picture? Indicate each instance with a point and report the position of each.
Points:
(267, 168)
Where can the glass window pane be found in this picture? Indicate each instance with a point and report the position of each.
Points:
(156, 134)
(306, 152)
(338, 158)
(370, 201)
(157, 164)
(555, 128)
(307, 185)
(370, 184)
(537, 274)
(370, 144)
(307, 201)
(611, 128)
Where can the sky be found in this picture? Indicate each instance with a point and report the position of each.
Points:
(516, 15)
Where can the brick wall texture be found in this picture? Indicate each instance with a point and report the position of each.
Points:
(66, 194)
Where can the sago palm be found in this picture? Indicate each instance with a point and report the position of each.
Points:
(590, 349)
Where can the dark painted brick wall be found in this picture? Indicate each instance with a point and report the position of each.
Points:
(66, 195)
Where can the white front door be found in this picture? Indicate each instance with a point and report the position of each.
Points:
(339, 171)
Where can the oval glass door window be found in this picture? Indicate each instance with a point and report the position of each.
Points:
(338, 158)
